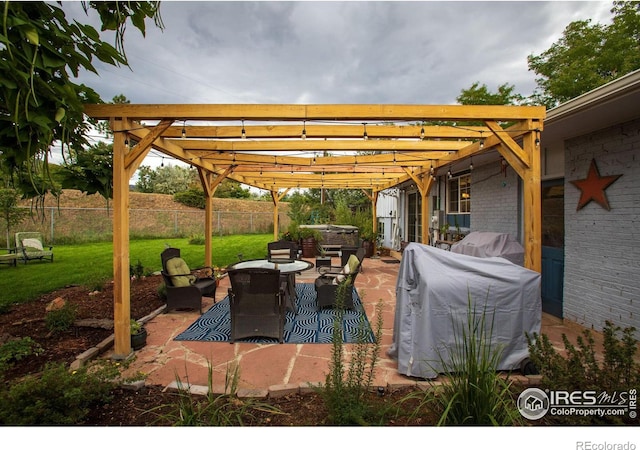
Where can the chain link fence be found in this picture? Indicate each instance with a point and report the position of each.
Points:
(77, 225)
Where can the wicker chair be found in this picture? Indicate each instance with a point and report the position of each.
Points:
(256, 304)
(344, 259)
(184, 288)
(283, 249)
(329, 284)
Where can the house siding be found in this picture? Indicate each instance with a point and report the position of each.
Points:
(602, 248)
(495, 200)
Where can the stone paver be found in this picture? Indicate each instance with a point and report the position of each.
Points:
(267, 369)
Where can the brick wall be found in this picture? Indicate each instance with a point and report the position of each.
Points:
(602, 248)
(495, 204)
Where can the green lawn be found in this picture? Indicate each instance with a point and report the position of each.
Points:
(92, 264)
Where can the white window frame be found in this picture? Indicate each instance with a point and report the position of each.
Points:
(463, 205)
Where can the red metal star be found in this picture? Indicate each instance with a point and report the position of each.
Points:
(592, 187)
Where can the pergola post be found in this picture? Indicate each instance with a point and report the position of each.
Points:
(425, 188)
(276, 198)
(121, 285)
(532, 206)
(276, 225)
(206, 181)
(374, 218)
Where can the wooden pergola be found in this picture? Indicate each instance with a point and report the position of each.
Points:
(280, 147)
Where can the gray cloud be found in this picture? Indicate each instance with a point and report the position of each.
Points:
(335, 52)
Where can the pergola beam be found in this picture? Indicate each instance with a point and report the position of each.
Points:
(328, 112)
(319, 145)
(328, 131)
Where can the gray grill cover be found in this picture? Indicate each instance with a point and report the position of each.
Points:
(487, 243)
(434, 287)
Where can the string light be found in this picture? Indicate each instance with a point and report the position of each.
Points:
(537, 137)
(162, 163)
(304, 130)
(431, 169)
(449, 172)
(365, 136)
(470, 163)
(243, 133)
(184, 130)
(422, 132)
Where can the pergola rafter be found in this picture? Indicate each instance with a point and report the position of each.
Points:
(279, 147)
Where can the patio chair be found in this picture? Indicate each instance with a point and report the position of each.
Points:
(184, 287)
(29, 247)
(256, 304)
(329, 285)
(9, 258)
(284, 249)
(333, 270)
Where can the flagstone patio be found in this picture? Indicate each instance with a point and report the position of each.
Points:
(283, 367)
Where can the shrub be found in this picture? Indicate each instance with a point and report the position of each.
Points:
(192, 197)
(16, 349)
(346, 388)
(580, 369)
(196, 239)
(137, 271)
(61, 319)
(162, 291)
(56, 397)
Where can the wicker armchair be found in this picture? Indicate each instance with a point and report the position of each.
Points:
(184, 288)
(256, 304)
(329, 285)
(284, 249)
(344, 259)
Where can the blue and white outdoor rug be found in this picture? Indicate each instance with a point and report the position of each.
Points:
(308, 326)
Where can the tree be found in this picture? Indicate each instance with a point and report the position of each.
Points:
(231, 189)
(90, 170)
(480, 95)
(165, 179)
(588, 56)
(40, 52)
(10, 214)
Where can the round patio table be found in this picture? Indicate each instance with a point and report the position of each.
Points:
(285, 266)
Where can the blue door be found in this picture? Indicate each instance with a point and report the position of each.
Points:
(552, 246)
(552, 280)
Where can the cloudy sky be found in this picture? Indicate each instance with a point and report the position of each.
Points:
(334, 52)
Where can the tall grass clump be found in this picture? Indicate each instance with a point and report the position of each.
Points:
(212, 409)
(473, 392)
(348, 384)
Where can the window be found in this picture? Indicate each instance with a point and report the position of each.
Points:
(459, 195)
